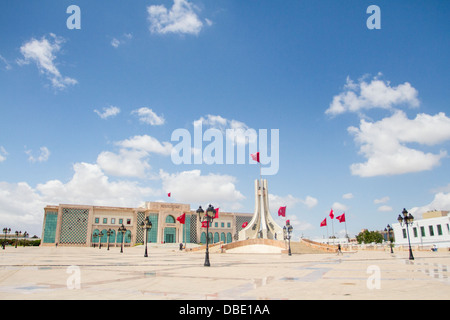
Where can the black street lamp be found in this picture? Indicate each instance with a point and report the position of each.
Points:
(287, 230)
(407, 220)
(388, 229)
(147, 226)
(122, 230)
(100, 236)
(5, 231)
(207, 217)
(17, 237)
(95, 238)
(108, 234)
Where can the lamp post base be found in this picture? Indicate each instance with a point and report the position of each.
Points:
(207, 260)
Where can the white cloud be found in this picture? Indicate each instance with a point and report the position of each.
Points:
(90, 185)
(194, 188)
(115, 42)
(385, 208)
(383, 144)
(441, 201)
(128, 163)
(377, 94)
(148, 144)
(181, 18)
(42, 52)
(23, 205)
(234, 130)
(3, 154)
(381, 200)
(339, 207)
(347, 196)
(7, 64)
(108, 112)
(146, 115)
(275, 202)
(42, 157)
(132, 159)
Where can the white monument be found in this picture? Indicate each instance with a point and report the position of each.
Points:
(262, 224)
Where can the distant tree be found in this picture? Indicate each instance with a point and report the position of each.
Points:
(367, 236)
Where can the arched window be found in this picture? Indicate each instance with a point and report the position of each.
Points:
(170, 219)
(229, 238)
(203, 237)
(222, 237)
(216, 237)
(95, 236)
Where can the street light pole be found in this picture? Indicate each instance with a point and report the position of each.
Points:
(287, 230)
(388, 229)
(207, 217)
(5, 231)
(122, 230)
(146, 225)
(407, 219)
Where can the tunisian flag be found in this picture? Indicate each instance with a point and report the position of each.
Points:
(204, 224)
(255, 156)
(217, 214)
(282, 211)
(244, 224)
(168, 194)
(331, 214)
(182, 219)
(341, 218)
(323, 223)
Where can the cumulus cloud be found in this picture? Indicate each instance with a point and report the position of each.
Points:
(146, 115)
(24, 205)
(361, 96)
(383, 143)
(148, 144)
(181, 18)
(128, 163)
(234, 130)
(108, 112)
(132, 159)
(441, 201)
(193, 187)
(43, 54)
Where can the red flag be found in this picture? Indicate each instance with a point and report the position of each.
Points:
(323, 223)
(282, 211)
(244, 224)
(182, 219)
(204, 224)
(341, 218)
(288, 222)
(168, 194)
(331, 214)
(255, 156)
(217, 213)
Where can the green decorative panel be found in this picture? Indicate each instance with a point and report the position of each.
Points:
(51, 221)
(74, 224)
(152, 236)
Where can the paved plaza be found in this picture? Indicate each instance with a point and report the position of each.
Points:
(168, 274)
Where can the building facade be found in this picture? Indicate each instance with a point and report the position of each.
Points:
(81, 225)
(432, 229)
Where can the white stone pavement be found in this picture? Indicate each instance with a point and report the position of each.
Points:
(87, 273)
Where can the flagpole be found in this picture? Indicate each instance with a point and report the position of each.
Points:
(332, 229)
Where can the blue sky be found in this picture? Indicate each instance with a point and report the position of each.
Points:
(87, 115)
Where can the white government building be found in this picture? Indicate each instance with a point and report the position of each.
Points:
(432, 229)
